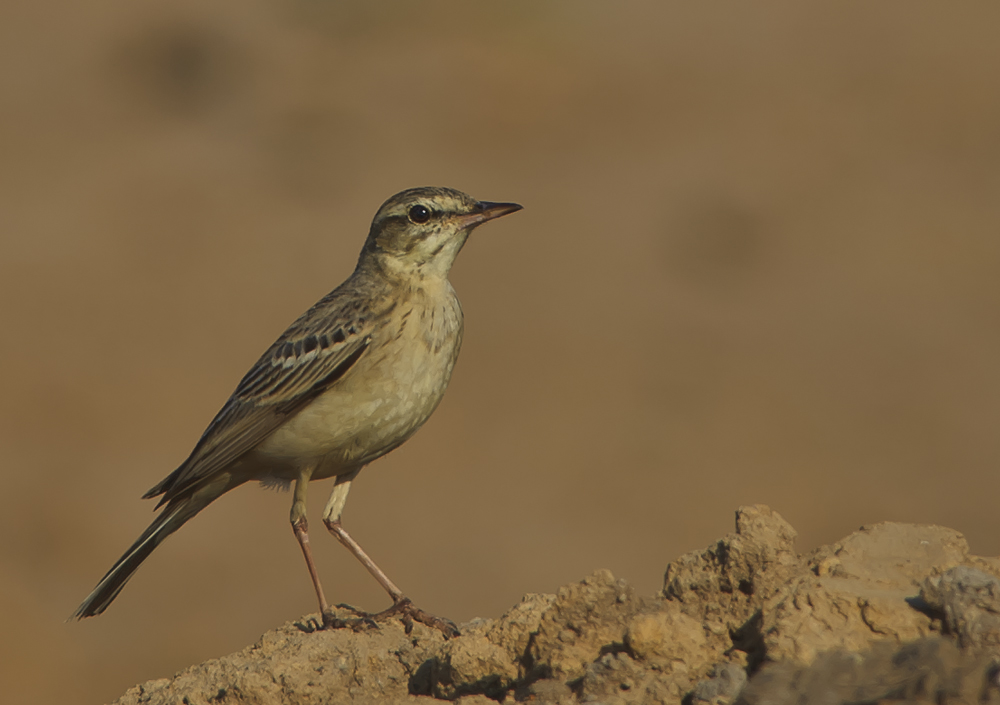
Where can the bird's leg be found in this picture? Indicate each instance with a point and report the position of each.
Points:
(340, 532)
(331, 517)
(301, 528)
(400, 603)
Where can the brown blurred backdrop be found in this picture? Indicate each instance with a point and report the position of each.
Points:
(757, 263)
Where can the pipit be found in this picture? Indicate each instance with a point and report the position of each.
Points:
(353, 378)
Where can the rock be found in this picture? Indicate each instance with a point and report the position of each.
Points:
(584, 619)
(294, 664)
(725, 585)
(667, 636)
(475, 700)
(547, 691)
(858, 591)
(931, 671)
(727, 679)
(671, 644)
(969, 601)
(891, 555)
(515, 629)
(617, 679)
(490, 655)
(817, 614)
(472, 664)
(893, 611)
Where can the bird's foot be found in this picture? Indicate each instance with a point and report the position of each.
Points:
(353, 610)
(362, 621)
(404, 609)
(408, 611)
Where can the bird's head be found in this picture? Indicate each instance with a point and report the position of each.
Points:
(420, 231)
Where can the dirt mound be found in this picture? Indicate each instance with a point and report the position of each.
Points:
(892, 612)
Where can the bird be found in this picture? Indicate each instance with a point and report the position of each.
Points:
(350, 380)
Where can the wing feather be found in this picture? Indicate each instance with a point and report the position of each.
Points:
(315, 352)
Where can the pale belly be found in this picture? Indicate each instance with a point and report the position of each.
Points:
(381, 402)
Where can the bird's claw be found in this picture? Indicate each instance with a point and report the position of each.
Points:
(361, 622)
(404, 609)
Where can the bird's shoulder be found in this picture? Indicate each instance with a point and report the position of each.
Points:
(337, 327)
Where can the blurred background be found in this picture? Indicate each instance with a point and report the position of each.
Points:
(757, 263)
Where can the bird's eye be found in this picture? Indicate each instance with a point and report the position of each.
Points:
(420, 214)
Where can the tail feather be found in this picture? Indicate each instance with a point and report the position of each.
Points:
(173, 516)
(112, 583)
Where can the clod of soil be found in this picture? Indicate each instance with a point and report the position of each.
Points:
(893, 612)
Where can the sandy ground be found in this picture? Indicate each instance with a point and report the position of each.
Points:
(757, 263)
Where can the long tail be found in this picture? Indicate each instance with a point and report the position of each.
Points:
(173, 516)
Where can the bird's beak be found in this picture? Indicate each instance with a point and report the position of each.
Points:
(485, 210)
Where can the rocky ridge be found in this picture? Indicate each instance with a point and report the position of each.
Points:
(893, 612)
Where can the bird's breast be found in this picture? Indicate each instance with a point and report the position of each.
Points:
(388, 394)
